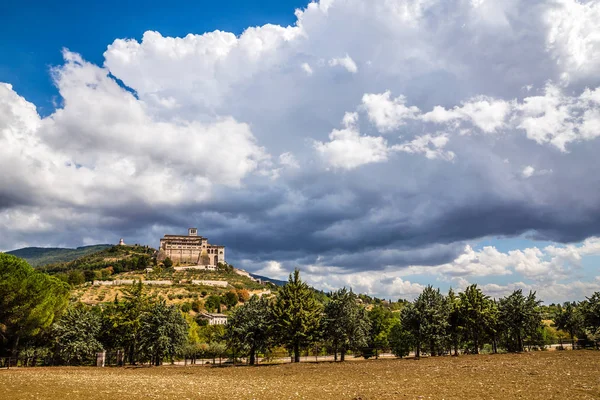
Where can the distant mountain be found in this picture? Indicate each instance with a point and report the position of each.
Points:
(39, 256)
(265, 279)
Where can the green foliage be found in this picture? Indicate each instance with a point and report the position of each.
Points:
(76, 334)
(382, 321)
(38, 256)
(400, 341)
(297, 314)
(168, 263)
(346, 324)
(164, 332)
(115, 259)
(590, 309)
(212, 303)
(519, 318)
(426, 320)
(249, 327)
(474, 310)
(230, 299)
(569, 319)
(29, 301)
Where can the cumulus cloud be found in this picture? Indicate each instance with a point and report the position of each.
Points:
(386, 113)
(346, 62)
(239, 135)
(349, 149)
(429, 145)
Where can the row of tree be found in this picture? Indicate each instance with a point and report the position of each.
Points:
(433, 323)
(37, 320)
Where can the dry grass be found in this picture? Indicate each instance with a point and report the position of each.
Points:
(543, 375)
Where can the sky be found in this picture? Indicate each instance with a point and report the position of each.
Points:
(381, 145)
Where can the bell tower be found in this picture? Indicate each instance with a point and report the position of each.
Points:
(193, 232)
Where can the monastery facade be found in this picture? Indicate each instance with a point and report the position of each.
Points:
(191, 250)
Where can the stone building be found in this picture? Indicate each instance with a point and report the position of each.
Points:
(191, 250)
(214, 318)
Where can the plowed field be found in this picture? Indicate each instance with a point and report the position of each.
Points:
(538, 375)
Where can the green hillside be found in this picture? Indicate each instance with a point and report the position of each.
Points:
(38, 256)
(118, 258)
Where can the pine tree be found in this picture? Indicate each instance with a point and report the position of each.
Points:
(519, 317)
(474, 312)
(345, 323)
(296, 314)
(29, 301)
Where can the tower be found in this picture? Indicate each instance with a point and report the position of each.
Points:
(193, 232)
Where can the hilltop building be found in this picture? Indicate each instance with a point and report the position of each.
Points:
(191, 250)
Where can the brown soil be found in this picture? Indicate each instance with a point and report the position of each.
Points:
(539, 375)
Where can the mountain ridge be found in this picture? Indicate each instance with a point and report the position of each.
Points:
(39, 256)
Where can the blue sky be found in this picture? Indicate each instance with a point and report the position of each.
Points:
(382, 145)
(35, 32)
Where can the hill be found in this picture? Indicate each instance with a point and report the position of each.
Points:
(117, 258)
(105, 274)
(276, 282)
(38, 256)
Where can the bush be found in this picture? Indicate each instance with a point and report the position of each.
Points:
(186, 307)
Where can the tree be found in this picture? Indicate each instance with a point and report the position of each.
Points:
(519, 318)
(382, 321)
(76, 333)
(345, 324)
(230, 299)
(29, 301)
(76, 277)
(243, 295)
(474, 310)
(164, 332)
(212, 303)
(122, 321)
(569, 319)
(433, 310)
(296, 314)
(401, 341)
(411, 322)
(168, 263)
(590, 309)
(454, 321)
(249, 327)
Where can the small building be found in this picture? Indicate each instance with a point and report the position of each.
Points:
(191, 249)
(214, 318)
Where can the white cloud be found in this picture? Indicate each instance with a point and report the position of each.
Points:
(104, 148)
(528, 171)
(192, 139)
(386, 113)
(347, 149)
(485, 113)
(307, 68)
(429, 145)
(346, 62)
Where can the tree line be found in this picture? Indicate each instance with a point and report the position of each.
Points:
(38, 322)
(433, 323)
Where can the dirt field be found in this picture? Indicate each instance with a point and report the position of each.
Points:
(540, 375)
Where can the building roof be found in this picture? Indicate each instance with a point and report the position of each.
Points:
(213, 315)
(185, 236)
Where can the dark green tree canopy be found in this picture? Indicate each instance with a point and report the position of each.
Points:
(297, 314)
(249, 328)
(29, 301)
